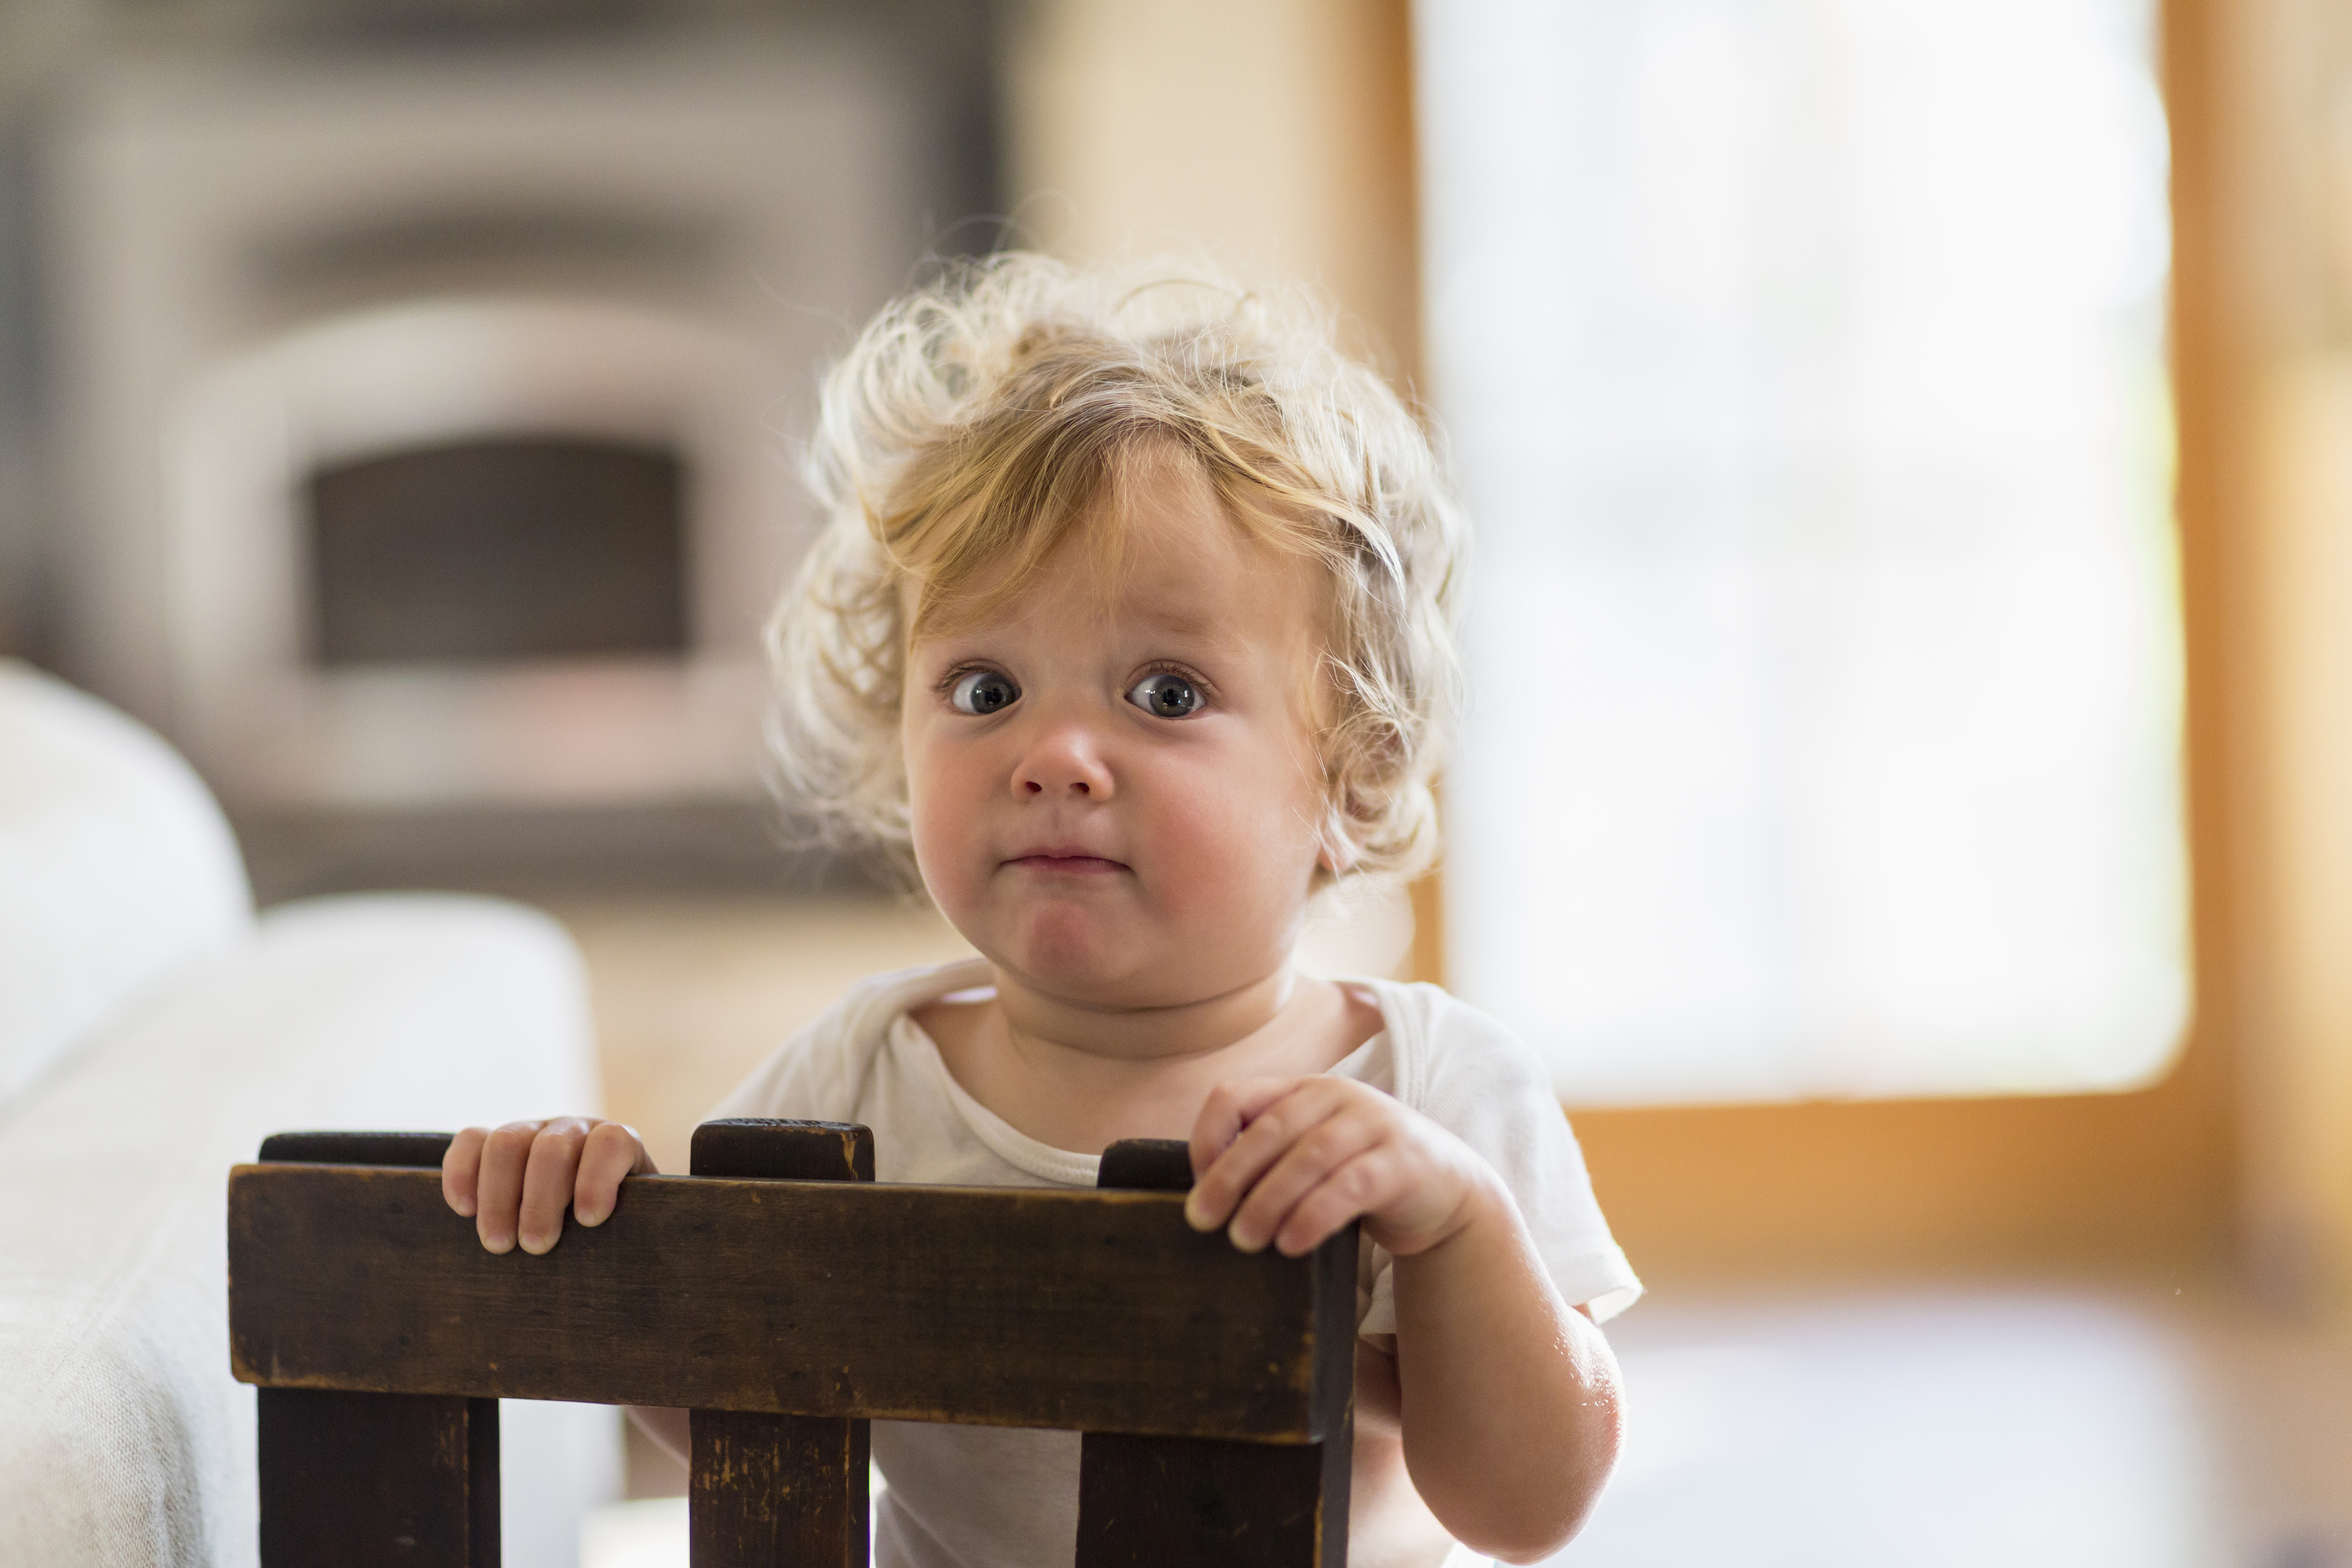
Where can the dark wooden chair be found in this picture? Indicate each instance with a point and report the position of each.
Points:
(787, 1300)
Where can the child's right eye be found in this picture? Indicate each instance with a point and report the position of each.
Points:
(982, 692)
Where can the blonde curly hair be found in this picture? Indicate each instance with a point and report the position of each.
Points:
(974, 425)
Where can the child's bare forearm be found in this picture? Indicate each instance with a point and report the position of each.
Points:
(1509, 1397)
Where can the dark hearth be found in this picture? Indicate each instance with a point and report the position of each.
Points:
(513, 548)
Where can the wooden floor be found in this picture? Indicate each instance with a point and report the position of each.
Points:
(1882, 1426)
(2125, 1424)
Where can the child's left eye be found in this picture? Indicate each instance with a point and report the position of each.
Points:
(1166, 695)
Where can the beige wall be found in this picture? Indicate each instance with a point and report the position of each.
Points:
(1275, 133)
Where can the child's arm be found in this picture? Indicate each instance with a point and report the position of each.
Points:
(1509, 1397)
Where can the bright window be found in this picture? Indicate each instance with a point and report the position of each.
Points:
(1803, 364)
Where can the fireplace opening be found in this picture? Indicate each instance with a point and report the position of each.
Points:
(498, 548)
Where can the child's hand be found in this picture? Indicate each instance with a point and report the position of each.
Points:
(515, 1182)
(1291, 1160)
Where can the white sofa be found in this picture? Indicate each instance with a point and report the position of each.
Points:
(152, 1031)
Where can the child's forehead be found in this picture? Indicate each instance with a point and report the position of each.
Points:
(1221, 587)
(1156, 547)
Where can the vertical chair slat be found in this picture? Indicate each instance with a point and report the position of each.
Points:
(1176, 1502)
(374, 1480)
(779, 1492)
(377, 1481)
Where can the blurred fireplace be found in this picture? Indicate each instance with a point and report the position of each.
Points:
(462, 580)
(491, 551)
(430, 420)
(495, 548)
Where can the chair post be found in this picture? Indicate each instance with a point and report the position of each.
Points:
(1177, 1502)
(779, 1492)
(374, 1480)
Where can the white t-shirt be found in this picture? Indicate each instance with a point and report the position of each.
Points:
(994, 1497)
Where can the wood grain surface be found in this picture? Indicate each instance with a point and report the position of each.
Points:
(1101, 1311)
(766, 1147)
(424, 1149)
(377, 1481)
(780, 1491)
(1174, 1502)
(374, 1480)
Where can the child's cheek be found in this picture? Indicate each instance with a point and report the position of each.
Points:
(1229, 854)
(942, 827)
(944, 878)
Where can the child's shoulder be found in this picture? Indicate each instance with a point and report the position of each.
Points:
(865, 1011)
(1445, 1048)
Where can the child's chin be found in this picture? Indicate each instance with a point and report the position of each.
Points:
(1067, 963)
(1094, 960)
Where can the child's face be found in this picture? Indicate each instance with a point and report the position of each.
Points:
(1115, 790)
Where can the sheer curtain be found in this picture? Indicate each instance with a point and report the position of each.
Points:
(1803, 365)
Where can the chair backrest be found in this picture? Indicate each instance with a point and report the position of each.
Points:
(786, 1298)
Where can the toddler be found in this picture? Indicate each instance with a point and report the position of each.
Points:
(1130, 632)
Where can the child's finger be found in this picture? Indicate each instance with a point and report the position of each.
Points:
(497, 1191)
(547, 1183)
(1230, 1108)
(460, 1166)
(1309, 1161)
(1277, 1111)
(613, 1151)
(1350, 1191)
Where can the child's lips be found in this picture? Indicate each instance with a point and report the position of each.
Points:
(1065, 862)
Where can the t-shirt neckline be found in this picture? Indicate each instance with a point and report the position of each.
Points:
(1065, 1167)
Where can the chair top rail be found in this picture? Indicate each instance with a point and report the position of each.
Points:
(1098, 1310)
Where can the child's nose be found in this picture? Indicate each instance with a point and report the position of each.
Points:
(1067, 760)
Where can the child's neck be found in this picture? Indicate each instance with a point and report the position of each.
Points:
(1122, 1038)
(1080, 1077)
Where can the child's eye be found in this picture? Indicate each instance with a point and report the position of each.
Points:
(1166, 695)
(983, 691)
